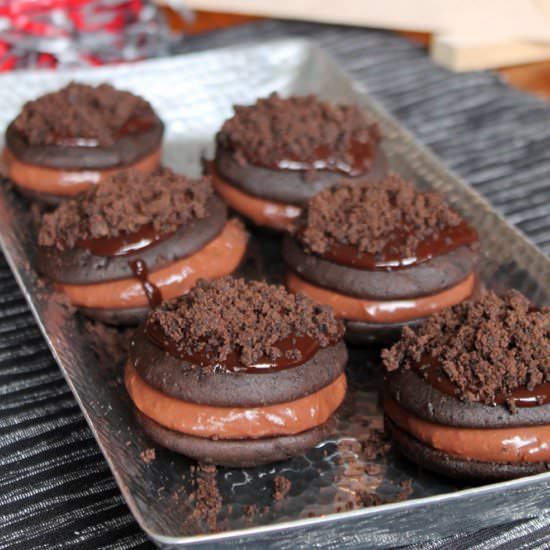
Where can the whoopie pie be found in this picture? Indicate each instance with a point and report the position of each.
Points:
(237, 373)
(468, 393)
(271, 157)
(383, 254)
(64, 141)
(122, 246)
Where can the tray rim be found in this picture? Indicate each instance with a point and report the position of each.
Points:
(289, 525)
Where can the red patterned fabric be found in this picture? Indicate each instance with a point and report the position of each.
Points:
(53, 33)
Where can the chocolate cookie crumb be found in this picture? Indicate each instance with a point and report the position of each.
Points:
(406, 490)
(58, 300)
(375, 444)
(250, 511)
(249, 318)
(368, 498)
(108, 343)
(148, 455)
(390, 216)
(253, 511)
(281, 486)
(275, 129)
(208, 501)
(207, 468)
(205, 499)
(80, 112)
(125, 203)
(487, 348)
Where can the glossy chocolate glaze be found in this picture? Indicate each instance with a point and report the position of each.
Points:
(440, 244)
(141, 272)
(137, 124)
(360, 158)
(123, 245)
(430, 369)
(307, 346)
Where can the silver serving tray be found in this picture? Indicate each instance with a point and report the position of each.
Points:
(194, 94)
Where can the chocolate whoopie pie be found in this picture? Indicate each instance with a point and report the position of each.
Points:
(122, 246)
(468, 394)
(64, 141)
(383, 254)
(271, 157)
(237, 373)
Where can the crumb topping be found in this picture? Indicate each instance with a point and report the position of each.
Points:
(295, 128)
(125, 203)
(487, 348)
(374, 217)
(217, 318)
(81, 111)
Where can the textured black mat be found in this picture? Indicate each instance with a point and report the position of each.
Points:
(56, 490)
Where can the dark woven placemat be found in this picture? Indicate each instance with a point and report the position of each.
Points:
(56, 490)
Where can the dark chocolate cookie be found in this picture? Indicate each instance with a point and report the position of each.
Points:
(429, 277)
(235, 452)
(286, 186)
(126, 150)
(46, 200)
(364, 333)
(116, 316)
(423, 400)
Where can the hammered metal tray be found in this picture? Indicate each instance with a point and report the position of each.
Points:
(194, 94)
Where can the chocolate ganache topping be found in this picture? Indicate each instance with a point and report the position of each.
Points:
(141, 273)
(127, 213)
(243, 326)
(495, 351)
(381, 225)
(83, 115)
(301, 133)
